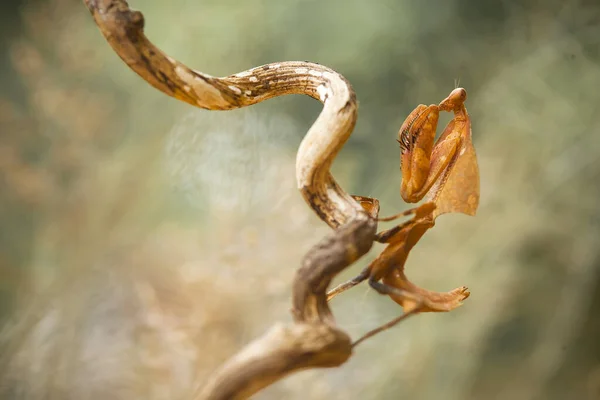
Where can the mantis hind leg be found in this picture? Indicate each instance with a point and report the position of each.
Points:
(386, 326)
(401, 214)
(423, 211)
(387, 290)
(348, 284)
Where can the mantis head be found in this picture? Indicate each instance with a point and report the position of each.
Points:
(454, 101)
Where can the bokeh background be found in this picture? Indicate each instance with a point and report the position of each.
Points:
(144, 242)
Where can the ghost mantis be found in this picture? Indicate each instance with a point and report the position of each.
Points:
(447, 176)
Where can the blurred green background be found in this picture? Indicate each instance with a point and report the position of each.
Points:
(144, 242)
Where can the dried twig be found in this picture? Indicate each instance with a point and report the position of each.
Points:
(313, 340)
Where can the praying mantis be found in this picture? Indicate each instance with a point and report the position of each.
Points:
(446, 174)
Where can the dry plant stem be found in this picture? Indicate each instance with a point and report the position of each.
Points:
(123, 29)
(313, 340)
(281, 351)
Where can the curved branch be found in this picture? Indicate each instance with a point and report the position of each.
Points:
(124, 30)
(278, 353)
(313, 340)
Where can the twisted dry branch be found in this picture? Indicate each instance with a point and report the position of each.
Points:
(312, 340)
(123, 29)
